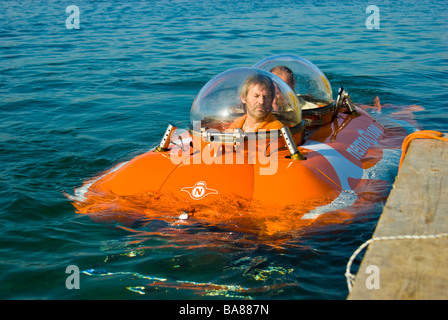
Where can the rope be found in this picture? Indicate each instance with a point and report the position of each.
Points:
(351, 278)
(423, 134)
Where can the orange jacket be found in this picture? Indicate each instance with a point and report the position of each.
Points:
(269, 123)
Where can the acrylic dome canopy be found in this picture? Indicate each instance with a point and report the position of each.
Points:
(310, 83)
(218, 103)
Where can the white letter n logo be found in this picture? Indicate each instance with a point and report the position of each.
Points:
(199, 190)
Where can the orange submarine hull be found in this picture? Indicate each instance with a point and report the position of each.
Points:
(253, 193)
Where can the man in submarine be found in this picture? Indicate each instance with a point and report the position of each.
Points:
(257, 96)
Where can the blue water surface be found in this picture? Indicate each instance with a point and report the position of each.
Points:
(75, 102)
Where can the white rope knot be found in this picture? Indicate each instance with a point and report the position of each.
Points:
(351, 278)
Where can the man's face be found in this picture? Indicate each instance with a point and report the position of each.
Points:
(258, 102)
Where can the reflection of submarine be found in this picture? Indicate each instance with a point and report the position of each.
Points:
(216, 174)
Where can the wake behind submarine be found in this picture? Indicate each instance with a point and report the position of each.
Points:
(259, 154)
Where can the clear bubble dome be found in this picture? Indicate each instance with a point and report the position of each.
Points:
(310, 83)
(220, 102)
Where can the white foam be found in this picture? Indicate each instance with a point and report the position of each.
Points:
(345, 169)
(81, 191)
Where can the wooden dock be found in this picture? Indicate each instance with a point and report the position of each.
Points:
(411, 269)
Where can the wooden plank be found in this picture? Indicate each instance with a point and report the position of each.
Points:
(417, 205)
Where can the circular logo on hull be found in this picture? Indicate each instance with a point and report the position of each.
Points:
(199, 190)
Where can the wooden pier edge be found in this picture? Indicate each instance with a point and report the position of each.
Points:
(411, 269)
